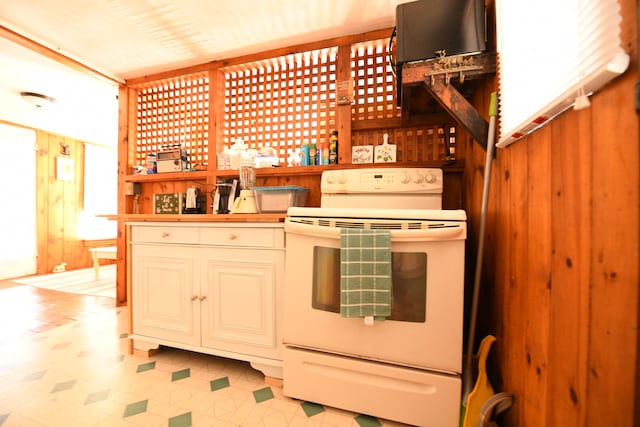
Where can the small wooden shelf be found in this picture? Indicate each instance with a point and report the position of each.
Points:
(169, 176)
(281, 171)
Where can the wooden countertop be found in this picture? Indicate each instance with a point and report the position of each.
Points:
(256, 217)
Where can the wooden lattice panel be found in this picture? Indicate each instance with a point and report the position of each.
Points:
(415, 144)
(172, 113)
(281, 103)
(375, 90)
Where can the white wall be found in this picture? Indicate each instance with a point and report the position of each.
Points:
(86, 107)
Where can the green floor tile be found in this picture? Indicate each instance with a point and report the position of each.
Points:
(34, 376)
(135, 408)
(179, 375)
(183, 420)
(3, 418)
(96, 397)
(219, 383)
(311, 409)
(67, 385)
(263, 394)
(367, 421)
(146, 367)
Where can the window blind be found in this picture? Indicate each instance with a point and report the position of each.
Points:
(550, 53)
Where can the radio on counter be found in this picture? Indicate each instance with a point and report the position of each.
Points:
(172, 159)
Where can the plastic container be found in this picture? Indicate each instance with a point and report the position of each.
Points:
(280, 198)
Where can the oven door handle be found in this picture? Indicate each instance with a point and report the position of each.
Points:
(450, 231)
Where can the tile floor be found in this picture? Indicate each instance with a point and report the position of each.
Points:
(64, 362)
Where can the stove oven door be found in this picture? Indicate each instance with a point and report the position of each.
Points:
(425, 328)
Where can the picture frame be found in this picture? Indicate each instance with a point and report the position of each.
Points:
(64, 169)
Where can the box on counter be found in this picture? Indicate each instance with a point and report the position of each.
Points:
(279, 198)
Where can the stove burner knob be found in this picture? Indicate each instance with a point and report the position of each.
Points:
(430, 178)
(330, 179)
(405, 179)
(418, 179)
(342, 179)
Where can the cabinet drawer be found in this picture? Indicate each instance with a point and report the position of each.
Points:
(159, 234)
(236, 236)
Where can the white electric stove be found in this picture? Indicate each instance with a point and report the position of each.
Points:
(408, 367)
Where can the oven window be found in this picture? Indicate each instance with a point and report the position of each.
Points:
(409, 280)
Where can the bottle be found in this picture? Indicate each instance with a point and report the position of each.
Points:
(333, 148)
(323, 153)
(152, 164)
(313, 154)
(304, 154)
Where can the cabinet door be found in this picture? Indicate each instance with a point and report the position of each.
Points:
(165, 294)
(242, 300)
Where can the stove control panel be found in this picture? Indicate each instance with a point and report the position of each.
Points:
(382, 180)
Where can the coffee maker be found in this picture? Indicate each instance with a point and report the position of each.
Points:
(225, 195)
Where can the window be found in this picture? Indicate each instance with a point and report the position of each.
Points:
(100, 192)
(549, 53)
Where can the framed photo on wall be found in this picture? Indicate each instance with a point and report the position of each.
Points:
(64, 169)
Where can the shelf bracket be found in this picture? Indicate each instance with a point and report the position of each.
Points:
(436, 75)
(458, 107)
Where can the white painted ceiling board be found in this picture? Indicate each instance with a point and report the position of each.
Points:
(131, 38)
(126, 39)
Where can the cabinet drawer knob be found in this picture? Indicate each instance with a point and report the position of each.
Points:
(203, 297)
(233, 237)
(194, 297)
(165, 234)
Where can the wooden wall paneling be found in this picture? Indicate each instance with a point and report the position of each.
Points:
(42, 200)
(517, 311)
(73, 206)
(613, 352)
(499, 298)
(58, 203)
(571, 165)
(55, 238)
(537, 278)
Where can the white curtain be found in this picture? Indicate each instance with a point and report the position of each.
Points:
(549, 52)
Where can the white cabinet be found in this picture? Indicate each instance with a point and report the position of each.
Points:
(164, 292)
(212, 287)
(239, 312)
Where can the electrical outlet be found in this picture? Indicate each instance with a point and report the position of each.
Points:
(128, 188)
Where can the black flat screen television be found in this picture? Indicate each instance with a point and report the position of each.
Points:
(424, 27)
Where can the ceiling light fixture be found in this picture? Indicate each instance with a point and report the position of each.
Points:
(37, 99)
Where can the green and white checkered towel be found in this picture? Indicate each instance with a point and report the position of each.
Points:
(365, 273)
